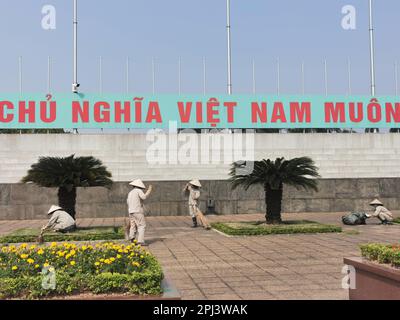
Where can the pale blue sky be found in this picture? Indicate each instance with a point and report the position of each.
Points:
(292, 30)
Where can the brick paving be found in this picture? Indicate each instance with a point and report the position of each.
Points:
(208, 265)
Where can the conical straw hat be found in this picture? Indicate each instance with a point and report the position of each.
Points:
(138, 183)
(53, 209)
(195, 183)
(376, 201)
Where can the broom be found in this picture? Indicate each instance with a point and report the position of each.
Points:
(40, 238)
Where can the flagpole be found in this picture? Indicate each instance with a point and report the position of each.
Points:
(20, 74)
(204, 76)
(228, 28)
(75, 84)
(349, 75)
(372, 48)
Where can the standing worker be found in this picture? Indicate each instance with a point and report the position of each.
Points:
(192, 191)
(136, 210)
(380, 212)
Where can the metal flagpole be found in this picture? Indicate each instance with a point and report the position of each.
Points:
(127, 75)
(326, 76)
(101, 75)
(153, 75)
(75, 84)
(372, 48)
(278, 69)
(179, 76)
(204, 76)
(228, 28)
(20, 74)
(349, 75)
(254, 78)
(396, 78)
(49, 74)
(303, 85)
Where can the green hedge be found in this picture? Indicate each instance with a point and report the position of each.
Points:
(382, 253)
(81, 234)
(100, 269)
(288, 227)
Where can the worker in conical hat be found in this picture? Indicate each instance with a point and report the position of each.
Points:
(60, 221)
(136, 210)
(192, 191)
(380, 212)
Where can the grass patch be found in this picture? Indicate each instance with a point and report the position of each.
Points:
(81, 234)
(382, 253)
(62, 269)
(396, 221)
(287, 227)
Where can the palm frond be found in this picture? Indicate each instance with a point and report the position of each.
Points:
(68, 172)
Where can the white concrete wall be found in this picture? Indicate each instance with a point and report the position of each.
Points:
(337, 155)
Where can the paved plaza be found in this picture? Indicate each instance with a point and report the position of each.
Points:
(209, 265)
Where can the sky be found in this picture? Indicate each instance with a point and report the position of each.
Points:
(294, 31)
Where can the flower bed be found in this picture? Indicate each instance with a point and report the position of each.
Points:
(100, 268)
(81, 234)
(260, 228)
(382, 253)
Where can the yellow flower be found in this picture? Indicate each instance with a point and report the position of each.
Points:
(24, 256)
(73, 252)
(36, 266)
(112, 259)
(119, 256)
(30, 261)
(97, 263)
(53, 244)
(32, 247)
(40, 252)
(23, 246)
(136, 264)
(72, 263)
(141, 257)
(107, 261)
(68, 256)
(14, 268)
(84, 248)
(46, 265)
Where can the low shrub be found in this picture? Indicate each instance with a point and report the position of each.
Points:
(382, 253)
(260, 228)
(100, 268)
(81, 234)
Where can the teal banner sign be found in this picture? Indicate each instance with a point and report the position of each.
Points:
(88, 111)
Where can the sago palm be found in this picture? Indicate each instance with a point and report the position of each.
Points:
(272, 175)
(67, 174)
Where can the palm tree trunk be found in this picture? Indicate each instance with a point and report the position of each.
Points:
(273, 201)
(67, 200)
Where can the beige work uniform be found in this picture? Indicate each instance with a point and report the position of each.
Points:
(136, 214)
(60, 221)
(383, 214)
(194, 210)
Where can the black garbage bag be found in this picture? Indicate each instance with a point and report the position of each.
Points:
(355, 218)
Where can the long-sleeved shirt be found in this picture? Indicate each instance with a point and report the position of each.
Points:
(135, 200)
(60, 220)
(194, 195)
(381, 211)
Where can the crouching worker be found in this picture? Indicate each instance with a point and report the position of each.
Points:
(192, 191)
(136, 211)
(60, 221)
(383, 214)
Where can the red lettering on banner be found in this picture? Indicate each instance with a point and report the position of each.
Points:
(259, 113)
(278, 114)
(5, 118)
(334, 112)
(79, 114)
(26, 111)
(43, 111)
(153, 113)
(299, 112)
